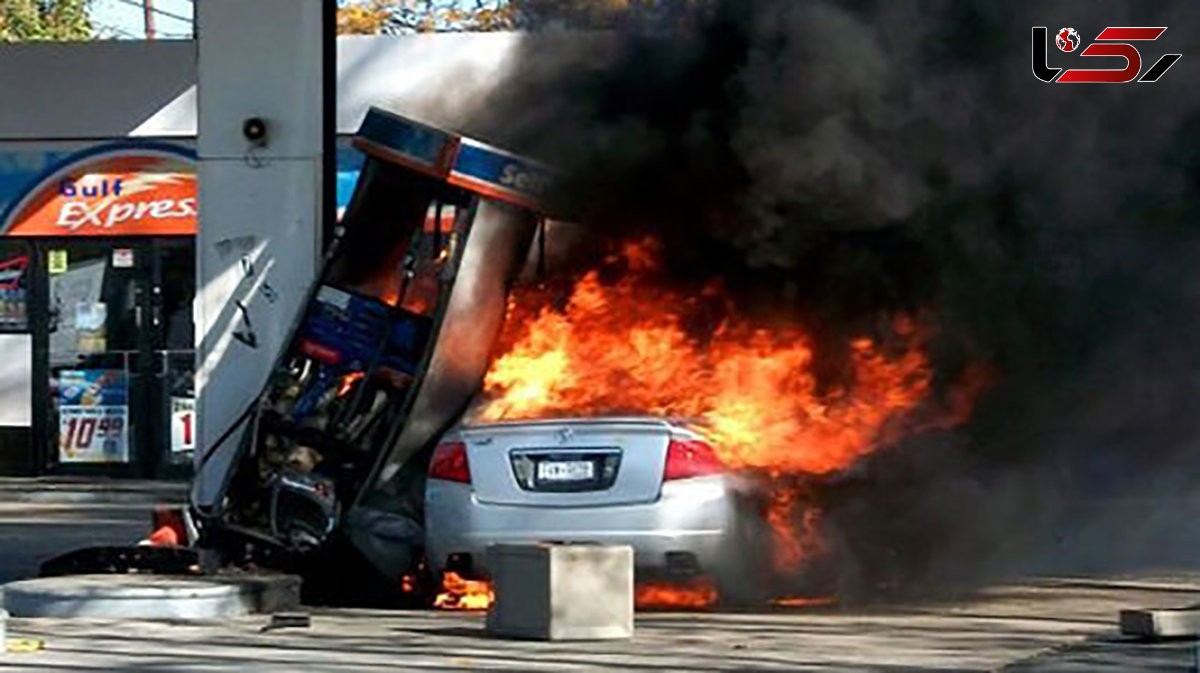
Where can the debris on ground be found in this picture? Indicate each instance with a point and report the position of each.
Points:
(288, 620)
(23, 645)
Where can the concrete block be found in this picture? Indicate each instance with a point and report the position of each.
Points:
(1170, 623)
(562, 591)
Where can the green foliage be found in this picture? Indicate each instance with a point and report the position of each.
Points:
(27, 20)
(369, 17)
(427, 16)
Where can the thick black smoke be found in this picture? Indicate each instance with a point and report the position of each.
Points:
(835, 161)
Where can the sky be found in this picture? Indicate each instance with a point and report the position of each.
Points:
(123, 19)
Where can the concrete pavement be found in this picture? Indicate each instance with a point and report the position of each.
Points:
(91, 490)
(31, 533)
(1049, 625)
(1035, 626)
(41, 518)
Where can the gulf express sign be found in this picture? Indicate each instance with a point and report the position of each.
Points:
(120, 190)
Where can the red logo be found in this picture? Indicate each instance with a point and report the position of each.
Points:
(1113, 42)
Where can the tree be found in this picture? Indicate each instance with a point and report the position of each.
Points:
(25, 20)
(363, 18)
(370, 17)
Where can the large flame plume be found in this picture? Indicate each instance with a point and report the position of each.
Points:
(627, 346)
(623, 343)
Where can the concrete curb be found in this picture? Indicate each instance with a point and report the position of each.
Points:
(152, 597)
(76, 498)
(1153, 624)
(99, 492)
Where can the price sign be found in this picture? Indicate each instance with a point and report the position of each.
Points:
(93, 434)
(183, 424)
(93, 416)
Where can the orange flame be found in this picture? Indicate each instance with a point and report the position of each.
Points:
(631, 345)
(625, 347)
(804, 601)
(698, 594)
(348, 381)
(463, 594)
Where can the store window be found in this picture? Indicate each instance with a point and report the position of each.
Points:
(14, 286)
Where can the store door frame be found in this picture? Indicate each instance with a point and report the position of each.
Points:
(147, 456)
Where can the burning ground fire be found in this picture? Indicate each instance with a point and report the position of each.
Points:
(463, 594)
(621, 343)
(696, 594)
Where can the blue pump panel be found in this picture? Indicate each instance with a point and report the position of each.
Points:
(461, 161)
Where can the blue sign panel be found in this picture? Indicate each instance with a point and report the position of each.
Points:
(406, 141)
(497, 173)
(460, 161)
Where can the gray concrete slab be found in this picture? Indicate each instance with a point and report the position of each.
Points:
(1113, 655)
(155, 597)
(1031, 626)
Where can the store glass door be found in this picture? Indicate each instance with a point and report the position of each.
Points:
(172, 337)
(96, 347)
(119, 356)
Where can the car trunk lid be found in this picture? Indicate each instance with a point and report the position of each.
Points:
(568, 463)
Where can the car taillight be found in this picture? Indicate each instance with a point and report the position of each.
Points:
(449, 462)
(691, 458)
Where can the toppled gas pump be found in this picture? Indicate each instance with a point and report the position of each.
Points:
(386, 354)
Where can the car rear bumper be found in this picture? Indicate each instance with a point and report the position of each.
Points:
(691, 516)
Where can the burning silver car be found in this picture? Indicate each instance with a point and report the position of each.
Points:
(647, 482)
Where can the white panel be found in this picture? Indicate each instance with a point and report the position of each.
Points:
(179, 113)
(261, 58)
(258, 246)
(16, 380)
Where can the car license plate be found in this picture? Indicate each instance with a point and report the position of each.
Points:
(567, 470)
